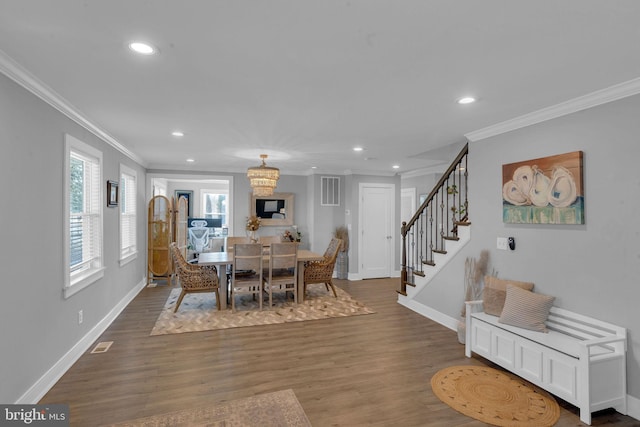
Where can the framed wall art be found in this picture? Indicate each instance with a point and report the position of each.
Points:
(276, 209)
(112, 194)
(548, 190)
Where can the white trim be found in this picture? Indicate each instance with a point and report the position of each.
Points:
(633, 407)
(429, 313)
(603, 96)
(24, 78)
(49, 379)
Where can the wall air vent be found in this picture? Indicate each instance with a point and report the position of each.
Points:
(330, 191)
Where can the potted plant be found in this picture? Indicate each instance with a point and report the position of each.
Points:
(342, 233)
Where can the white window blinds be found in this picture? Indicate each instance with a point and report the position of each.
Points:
(83, 253)
(128, 186)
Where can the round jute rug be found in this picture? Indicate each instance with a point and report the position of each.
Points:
(495, 397)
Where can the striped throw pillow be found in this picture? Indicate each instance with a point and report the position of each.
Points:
(526, 309)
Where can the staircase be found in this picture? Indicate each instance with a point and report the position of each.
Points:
(437, 231)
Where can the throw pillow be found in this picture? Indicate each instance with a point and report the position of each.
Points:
(495, 292)
(526, 309)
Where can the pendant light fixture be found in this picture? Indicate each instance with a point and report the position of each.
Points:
(263, 178)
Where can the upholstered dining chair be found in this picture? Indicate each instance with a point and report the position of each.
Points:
(194, 278)
(282, 274)
(322, 271)
(246, 277)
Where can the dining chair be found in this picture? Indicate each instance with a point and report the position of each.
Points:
(246, 277)
(322, 271)
(282, 274)
(267, 240)
(194, 278)
(232, 240)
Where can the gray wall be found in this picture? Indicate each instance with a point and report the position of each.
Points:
(592, 268)
(37, 325)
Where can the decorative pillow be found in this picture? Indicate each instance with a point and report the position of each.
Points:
(495, 292)
(526, 309)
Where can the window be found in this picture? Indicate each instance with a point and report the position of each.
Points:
(83, 208)
(214, 205)
(128, 187)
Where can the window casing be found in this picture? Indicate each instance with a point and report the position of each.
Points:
(128, 217)
(83, 210)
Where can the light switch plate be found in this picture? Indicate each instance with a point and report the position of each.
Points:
(502, 243)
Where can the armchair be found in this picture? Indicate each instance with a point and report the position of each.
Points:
(322, 271)
(194, 278)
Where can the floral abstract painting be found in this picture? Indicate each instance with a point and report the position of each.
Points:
(548, 190)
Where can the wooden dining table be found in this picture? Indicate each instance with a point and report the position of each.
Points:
(222, 259)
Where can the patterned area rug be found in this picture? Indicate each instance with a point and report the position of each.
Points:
(495, 397)
(198, 311)
(280, 408)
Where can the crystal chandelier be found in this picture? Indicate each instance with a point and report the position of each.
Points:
(263, 178)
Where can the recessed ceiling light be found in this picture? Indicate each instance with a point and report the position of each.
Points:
(466, 100)
(177, 133)
(314, 167)
(396, 166)
(358, 148)
(142, 48)
(190, 160)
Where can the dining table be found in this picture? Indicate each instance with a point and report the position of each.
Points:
(222, 259)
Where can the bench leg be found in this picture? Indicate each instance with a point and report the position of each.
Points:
(585, 416)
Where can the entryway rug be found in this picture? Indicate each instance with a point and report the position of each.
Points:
(280, 408)
(198, 311)
(495, 397)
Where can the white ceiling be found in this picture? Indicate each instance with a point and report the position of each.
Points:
(305, 81)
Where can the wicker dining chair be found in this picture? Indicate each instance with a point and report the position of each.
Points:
(322, 271)
(282, 272)
(194, 278)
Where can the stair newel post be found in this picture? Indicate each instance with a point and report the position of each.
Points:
(403, 273)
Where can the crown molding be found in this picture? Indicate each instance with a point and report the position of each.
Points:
(603, 96)
(24, 78)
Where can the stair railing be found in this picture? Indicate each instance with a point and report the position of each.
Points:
(436, 221)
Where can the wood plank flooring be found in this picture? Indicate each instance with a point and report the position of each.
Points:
(356, 371)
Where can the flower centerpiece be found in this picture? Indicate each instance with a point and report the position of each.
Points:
(253, 224)
(294, 236)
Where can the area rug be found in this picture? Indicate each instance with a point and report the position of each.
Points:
(280, 408)
(198, 311)
(495, 397)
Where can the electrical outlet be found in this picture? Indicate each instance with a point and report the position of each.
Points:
(80, 317)
(503, 243)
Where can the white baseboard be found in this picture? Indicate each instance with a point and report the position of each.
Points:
(633, 404)
(51, 377)
(428, 312)
(633, 407)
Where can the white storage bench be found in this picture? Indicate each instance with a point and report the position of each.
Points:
(581, 360)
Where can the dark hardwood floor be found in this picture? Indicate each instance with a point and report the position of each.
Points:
(356, 371)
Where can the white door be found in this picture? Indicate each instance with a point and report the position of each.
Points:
(376, 230)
